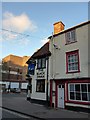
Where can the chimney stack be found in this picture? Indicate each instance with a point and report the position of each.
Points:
(58, 27)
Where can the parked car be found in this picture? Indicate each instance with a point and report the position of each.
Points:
(15, 90)
(18, 90)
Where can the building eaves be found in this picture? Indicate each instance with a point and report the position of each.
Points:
(42, 52)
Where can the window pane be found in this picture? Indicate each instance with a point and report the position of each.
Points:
(73, 35)
(43, 63)
(84, 96)
(88, 96)
(39, 63)
(88, 87)
(78, 96)
(67, 37)
(76, 58)
(77, 87)
(84, 87)
(68, 58)
(69, 67)
(76, 66)
(72, 95)
(72, 87)
(40, 86)
(62, 86)
(59, 86)
(72, 59)
(73, 66)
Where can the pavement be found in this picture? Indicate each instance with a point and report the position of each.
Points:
(18, 103)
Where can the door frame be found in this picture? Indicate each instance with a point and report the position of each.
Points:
(56, 92)
(63, 96)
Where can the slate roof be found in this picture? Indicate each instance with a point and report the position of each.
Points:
(74, 27)
(42, 52)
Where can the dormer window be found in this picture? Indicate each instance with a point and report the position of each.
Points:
(70, 37)
(41, 63)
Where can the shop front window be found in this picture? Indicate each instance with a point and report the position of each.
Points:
(79, 92)
(40, 86)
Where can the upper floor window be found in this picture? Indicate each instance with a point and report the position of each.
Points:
(72, 61)
(70, 36)
(41, 63)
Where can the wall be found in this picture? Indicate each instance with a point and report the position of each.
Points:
(58, 58)
(25, 59)
(17, 65)
(38, 95)
(89, 50)
(7, 58)
(16, 60)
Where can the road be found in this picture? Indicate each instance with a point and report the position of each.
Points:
(9, 114)
(19, 104)
(6, 114)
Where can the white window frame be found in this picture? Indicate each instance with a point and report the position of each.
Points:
(41, 63)
(69, 36)
(80, 92)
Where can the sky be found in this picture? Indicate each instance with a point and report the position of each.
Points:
(27, 25)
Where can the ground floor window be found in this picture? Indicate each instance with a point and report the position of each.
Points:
(40, 86)
(79, 91)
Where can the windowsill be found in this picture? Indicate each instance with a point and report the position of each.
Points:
(73, 72)
(70, 43)
(40, 92)
(78, 102)
(40, 68)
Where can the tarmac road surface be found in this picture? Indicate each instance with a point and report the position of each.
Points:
(8, 114)
(18, 103)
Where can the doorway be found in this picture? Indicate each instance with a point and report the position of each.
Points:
(61, 96)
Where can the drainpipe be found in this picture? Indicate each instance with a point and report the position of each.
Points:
(9, 87)
(47, 100)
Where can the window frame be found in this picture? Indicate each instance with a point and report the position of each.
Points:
(69, 37)
(41, 64)
(72, 53)
(40, 80)
(81, 96)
